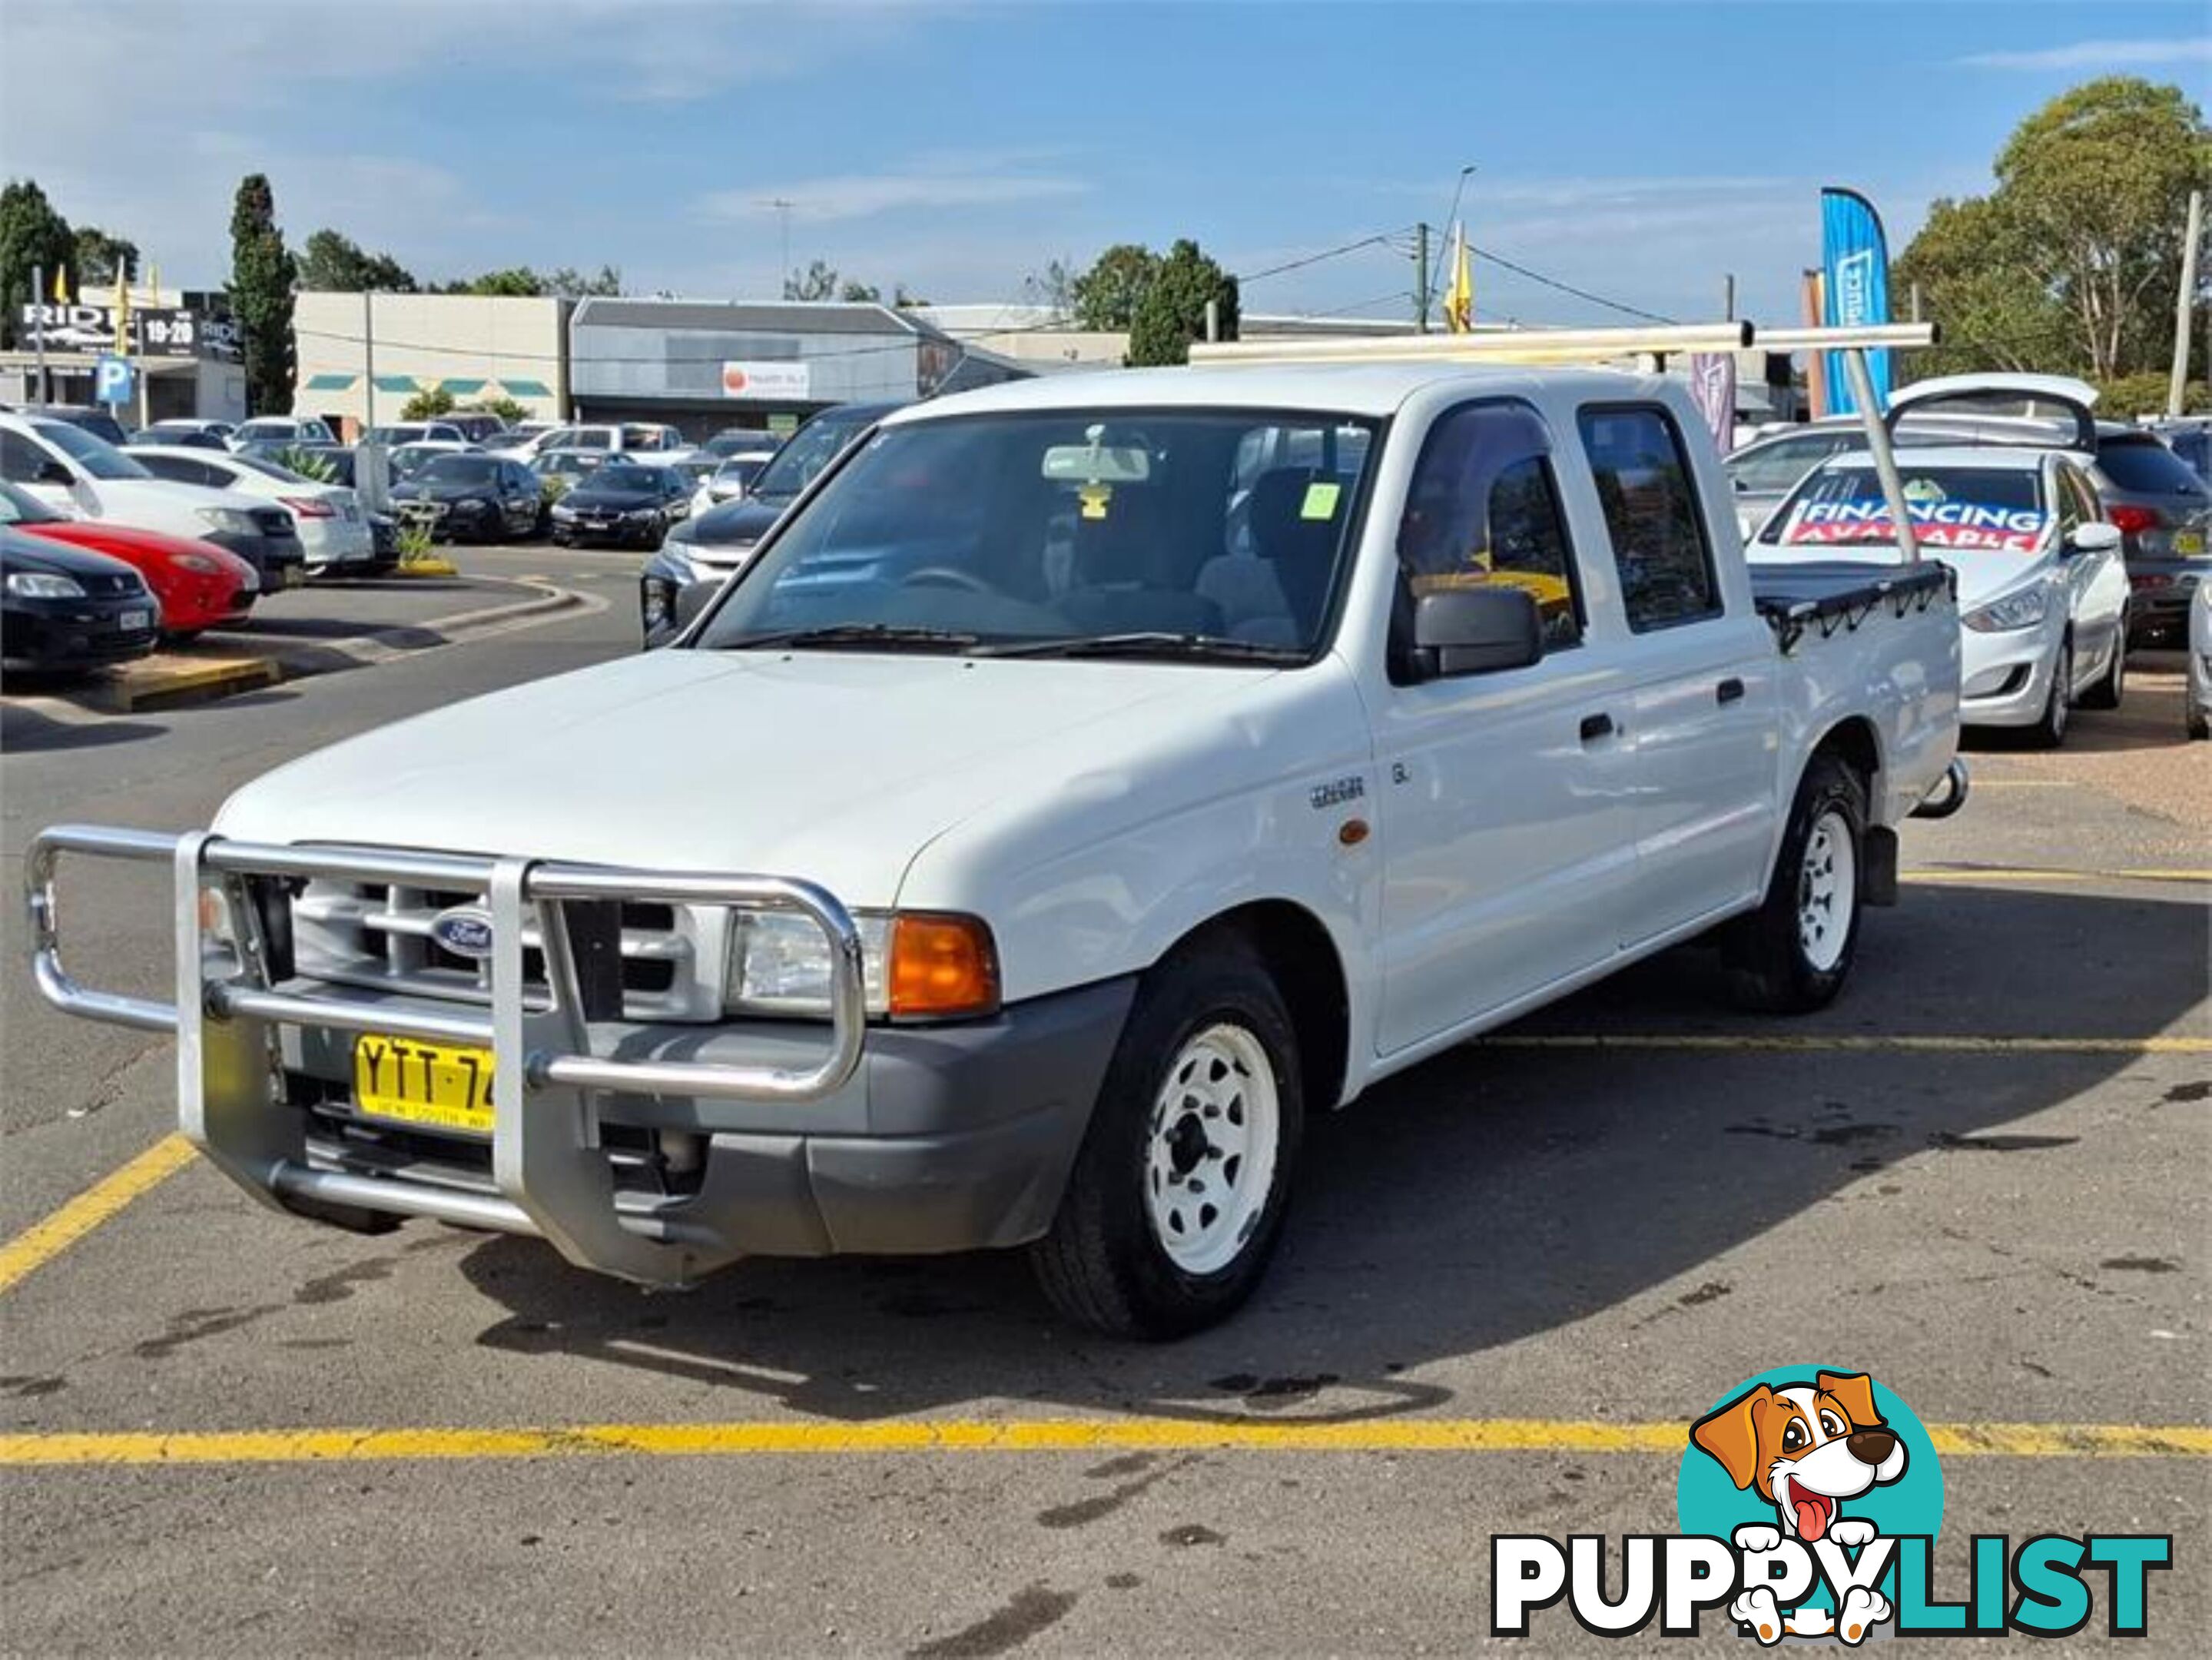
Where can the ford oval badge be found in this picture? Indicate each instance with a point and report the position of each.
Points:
(465, 931)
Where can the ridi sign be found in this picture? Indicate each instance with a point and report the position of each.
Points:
(781, 380)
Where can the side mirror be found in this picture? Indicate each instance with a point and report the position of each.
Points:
(1476, 630)
(2095, 537)
(55, 473)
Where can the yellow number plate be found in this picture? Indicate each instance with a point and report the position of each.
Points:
(2188, 544)
(446, 1085)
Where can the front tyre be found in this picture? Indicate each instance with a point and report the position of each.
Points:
(1793, 954)
(2112, 685)
(2048, 731)
(1177, 1195)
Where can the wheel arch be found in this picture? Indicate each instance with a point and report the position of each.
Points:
(1296, 948)
(1854, 741)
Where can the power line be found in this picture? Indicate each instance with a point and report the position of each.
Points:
(1379, 238)
(1567, 287)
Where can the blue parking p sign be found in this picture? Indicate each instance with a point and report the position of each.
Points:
(110, 380)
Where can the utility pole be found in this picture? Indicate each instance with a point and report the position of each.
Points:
(39, 325)
(368, 357)
(2183, 303)
(782, 207)
(1213, 319)
(1421, 276)
(1727, 298)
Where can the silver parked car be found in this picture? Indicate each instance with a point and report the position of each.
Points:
(2196, 699)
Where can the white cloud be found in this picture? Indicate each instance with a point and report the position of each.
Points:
(943, 182)
(2100, 54)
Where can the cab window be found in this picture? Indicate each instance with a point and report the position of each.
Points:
(1652, 515)
(1483, 510)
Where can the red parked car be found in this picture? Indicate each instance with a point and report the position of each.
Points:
(199, 584)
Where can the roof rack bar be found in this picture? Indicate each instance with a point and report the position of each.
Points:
(1540, 346)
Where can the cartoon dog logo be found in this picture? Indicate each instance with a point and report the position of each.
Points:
(1806, 1448)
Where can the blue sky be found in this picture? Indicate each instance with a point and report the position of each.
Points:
(1639, 151)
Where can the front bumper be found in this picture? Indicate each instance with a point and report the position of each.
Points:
(619, 533)
(2004, 679)
(81, 633)
(279, 562)
(654, 1153)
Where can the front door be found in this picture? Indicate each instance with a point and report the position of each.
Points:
(1505, 816)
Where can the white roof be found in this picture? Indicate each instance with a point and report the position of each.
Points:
(1917, 458)
(1348, 388)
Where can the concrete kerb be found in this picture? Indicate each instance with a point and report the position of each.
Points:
(169, 680)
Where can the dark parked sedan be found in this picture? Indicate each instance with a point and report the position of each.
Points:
(63, 608)
(484, 498)
(622, 503)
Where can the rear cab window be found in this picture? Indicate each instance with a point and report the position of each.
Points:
(1652, 515)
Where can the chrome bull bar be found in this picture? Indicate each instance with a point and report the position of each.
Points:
(551, 1177)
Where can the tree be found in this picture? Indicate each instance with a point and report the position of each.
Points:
(262, 274)
(1053, 288)
(819, 282)
(428, 405)
(518, 281)
(903, 300)
(860, 294)
(572, 284)
(100, 258)
(506, 407)
(2071, 262)
(31, 234)
(1107, 295)
(1172, 312)
(338, 264)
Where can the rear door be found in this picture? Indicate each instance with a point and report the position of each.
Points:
(1700, 719)
(1505, 809)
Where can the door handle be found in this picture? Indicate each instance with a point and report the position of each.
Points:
(1730, 690)
(1595, 726)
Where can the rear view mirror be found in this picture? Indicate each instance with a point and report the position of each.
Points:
(2095, 537)
(1476, 630)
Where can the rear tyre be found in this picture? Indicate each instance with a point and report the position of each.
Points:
(2114, 683)
(2197, 718)
(2049, 731)
(1177, 1196)
(1793, 954)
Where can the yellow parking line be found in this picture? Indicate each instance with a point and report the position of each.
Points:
(1026, 1435)
(42, 1242)
(1813, 1043)
(1969, 875)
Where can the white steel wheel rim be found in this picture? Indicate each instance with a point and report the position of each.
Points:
(1210, 1148)
(1827, 887)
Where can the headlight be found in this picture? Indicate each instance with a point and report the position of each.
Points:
(198, 562)
(38, 584)
(2023, 610)
(230, 519)
(563, 511)
(657, 599)
(915, 965)
(639, 515)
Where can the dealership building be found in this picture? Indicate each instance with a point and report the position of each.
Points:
(697, 365)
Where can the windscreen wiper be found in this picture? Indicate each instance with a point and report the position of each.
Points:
(852, 634)
(1149, 643)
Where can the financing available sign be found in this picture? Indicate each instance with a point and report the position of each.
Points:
(779, 380)
(1941, 524)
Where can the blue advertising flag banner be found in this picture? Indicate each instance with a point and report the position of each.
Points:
(1855, 256)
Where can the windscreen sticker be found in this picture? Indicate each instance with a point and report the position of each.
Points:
(1321, 500)
(1937, 523)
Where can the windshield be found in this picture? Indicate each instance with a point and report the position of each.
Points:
(1779, 465)
(1174, 532)
(804, 456)
(1995, 509)
(456, 470)
(20, 506)
(95, 455)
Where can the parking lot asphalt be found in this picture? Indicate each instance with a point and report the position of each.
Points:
(1512, 1275)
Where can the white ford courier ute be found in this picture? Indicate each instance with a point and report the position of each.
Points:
(1087, 780)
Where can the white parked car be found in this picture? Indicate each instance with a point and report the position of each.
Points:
(729, 481)
(417, 432)
(2043, 591)
(334, 531)
(1095, 796)
(85, 476)
(282, 429)
(2196, 698)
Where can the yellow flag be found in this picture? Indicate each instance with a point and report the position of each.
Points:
(1459, 298)
(61, 285)
(153, 285)
(122, 314)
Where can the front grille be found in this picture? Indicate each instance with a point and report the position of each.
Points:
(368, 934)
(118, 582)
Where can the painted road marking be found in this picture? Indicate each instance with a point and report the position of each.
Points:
(1967, 875)
(1026, 1435)
(42, 1242)
(1847, 1043)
